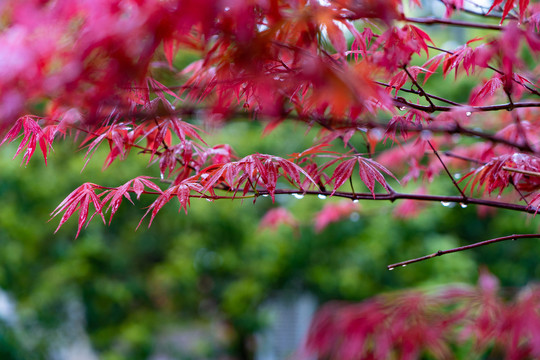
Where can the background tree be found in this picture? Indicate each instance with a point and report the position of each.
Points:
(362, 76)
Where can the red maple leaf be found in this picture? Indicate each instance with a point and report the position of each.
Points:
(80, 200)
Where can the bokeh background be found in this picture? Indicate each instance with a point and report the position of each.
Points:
(214, 284)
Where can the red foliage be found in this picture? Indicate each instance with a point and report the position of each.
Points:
(276, 217)
(109, 71)
(409, 324)
(106, 72)
(334, 212)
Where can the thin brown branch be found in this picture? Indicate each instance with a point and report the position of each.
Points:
(391, 197)
(464, 158)
(410, 91)
(448, 172)
(518, 191)
(463, 248)
(420, 89)
(497, 107)
(526, 172)
(458, 23)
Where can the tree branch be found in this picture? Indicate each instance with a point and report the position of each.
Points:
(463, 248)
(420, 89)
(448, 172)
(458, 23)
(497, 107)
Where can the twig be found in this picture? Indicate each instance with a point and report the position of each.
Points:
(462, 248)
(448, 172)
(497, 107)
(435, 97)
(420, 89)
(526, 172)
(459, 23)
(464, 158)
(402, 196)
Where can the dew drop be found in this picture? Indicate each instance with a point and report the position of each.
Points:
(457, 176)
(445, 203)
(402, 108)
(265, 195)
(321, 196)
(463, 205)
(403, 265)
(356, 201)
(298, 196)
(208, 199)
(468, 113)
(161, 176)
(391, 268)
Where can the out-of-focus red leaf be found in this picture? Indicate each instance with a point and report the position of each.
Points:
(170, 47)
(276, 217)
(408, 209)
(333, 212)
(483, 92)
(414, 324)
(509, 5)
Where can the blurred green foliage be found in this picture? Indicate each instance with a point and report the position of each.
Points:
(215, 264)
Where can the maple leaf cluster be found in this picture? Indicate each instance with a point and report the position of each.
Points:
(358, 72)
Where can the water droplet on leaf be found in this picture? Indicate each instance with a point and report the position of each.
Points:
(457, 176)
(463, 205)
(321, 196)
(468, 113)
(445, 203)
(298, 196)
(356, 201)
(403, 265)
(391, 268)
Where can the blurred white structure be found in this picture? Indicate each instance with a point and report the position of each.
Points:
(288, 322)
